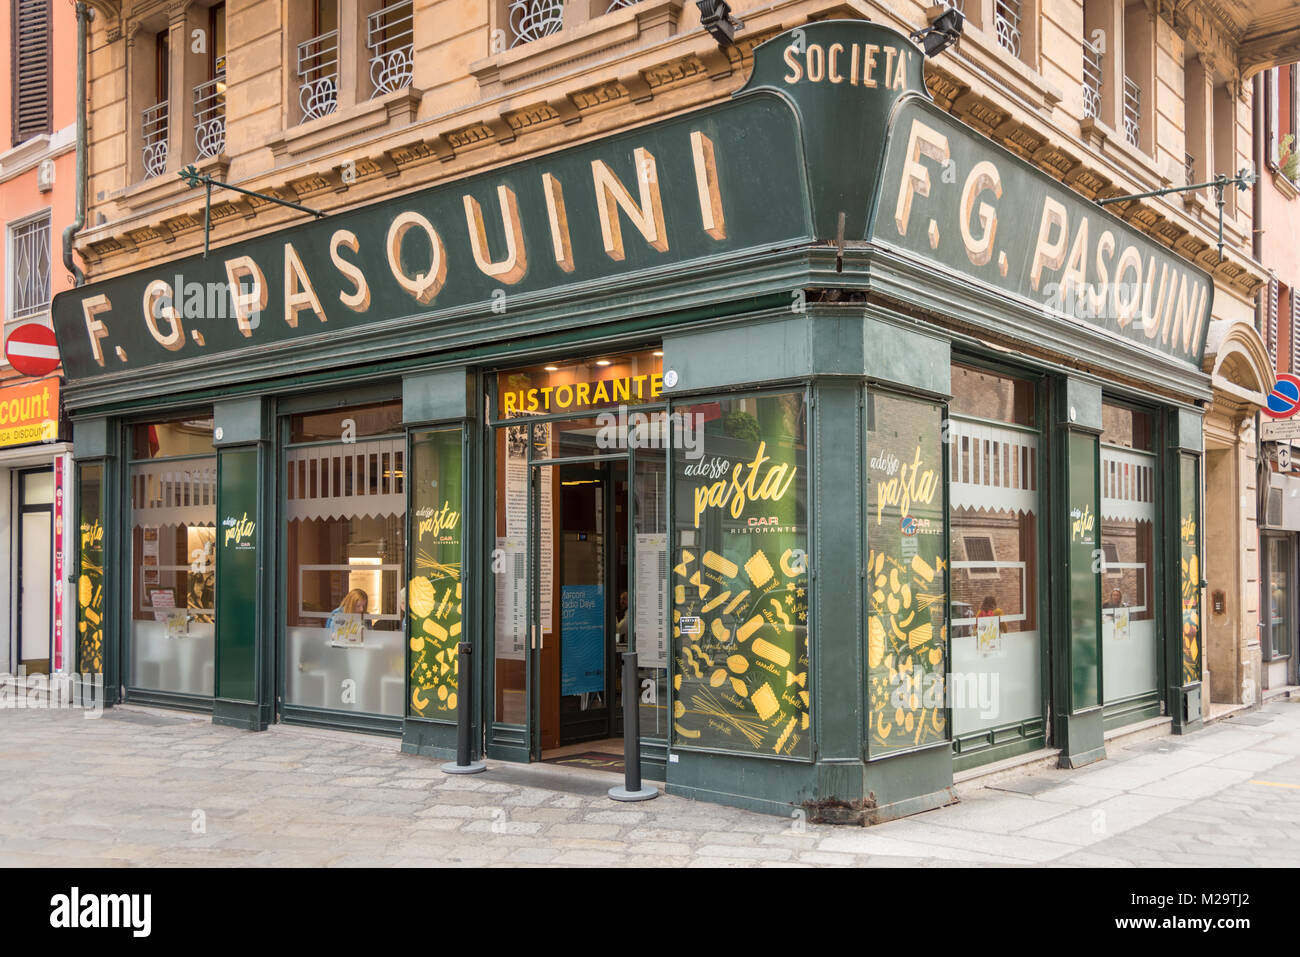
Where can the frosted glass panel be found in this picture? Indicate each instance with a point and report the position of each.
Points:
(1129, 636)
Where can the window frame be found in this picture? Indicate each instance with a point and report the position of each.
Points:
(43, 315)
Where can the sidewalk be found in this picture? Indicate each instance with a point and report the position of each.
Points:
(140, 787)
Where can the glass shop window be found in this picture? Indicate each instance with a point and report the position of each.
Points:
(994, 508)
(1129, 484)
(740, 578)
(345, 515)
(173, 497)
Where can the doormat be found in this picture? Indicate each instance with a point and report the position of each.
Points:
(594, 760)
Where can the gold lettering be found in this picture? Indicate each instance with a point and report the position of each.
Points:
(611, 196)
(512, 268)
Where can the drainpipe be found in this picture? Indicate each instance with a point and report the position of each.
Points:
(84, 15)
(1262, 471)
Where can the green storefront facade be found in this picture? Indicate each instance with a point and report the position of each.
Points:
(878, 488)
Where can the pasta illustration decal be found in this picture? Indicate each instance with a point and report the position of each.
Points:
(906, 577)
(740, 582)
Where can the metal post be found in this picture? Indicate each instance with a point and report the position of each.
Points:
(1219, 187)
(465, 763)
(631, 789)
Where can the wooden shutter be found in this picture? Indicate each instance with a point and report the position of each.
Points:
(1270, 320)
(1293, 301)
(31, 68)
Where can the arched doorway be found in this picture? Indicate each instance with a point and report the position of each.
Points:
(1238, 362)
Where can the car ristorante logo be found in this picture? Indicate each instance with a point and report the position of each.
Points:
(1284, 399)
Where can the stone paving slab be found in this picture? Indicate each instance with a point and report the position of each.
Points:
(141, 787)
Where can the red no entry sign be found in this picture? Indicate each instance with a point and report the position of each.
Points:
(31, 349)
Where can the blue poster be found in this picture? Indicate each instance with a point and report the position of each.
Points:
(582, 637)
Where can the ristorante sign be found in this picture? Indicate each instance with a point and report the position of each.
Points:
(832, 138)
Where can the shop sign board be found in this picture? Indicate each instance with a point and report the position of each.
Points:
(950, 196)
(29, 412)
(479, 249)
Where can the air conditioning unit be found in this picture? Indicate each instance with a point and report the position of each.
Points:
(45, 176)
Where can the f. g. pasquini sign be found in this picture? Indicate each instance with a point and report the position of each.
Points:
(678, 191)
(764, 170)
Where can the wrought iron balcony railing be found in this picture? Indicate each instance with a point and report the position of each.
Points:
(1006, 22)
(533, 19)
(318, 75)
(390, 39)
(210, 117)
(153, 130)
(1091, 81)
(1132, 112)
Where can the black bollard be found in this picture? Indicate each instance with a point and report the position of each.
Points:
(631, 789)
(465, 763)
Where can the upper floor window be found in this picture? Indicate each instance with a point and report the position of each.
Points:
(154, 120)
(389, 45)
(28, 275)
(31, 47)
(210, 95)
(1139, 77)
(318, 62)
(1280, 128)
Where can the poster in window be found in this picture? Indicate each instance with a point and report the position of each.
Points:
(740, 580)
(907, 631)
(1190, 571)
(435, 590)
(346, 630)
(90, 577)
(988, 635)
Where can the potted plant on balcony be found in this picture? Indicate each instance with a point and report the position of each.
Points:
(1288, 161)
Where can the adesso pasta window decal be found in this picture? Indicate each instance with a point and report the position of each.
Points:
(740, 581)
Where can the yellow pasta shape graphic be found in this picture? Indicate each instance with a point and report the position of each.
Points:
(759, 569)
(778, 656)
(715, 562)
(764, 701)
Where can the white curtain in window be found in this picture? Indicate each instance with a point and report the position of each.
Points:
(992, 468)
(174, 493)
(347, 480)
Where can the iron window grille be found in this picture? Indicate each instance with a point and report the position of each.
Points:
(1091, 81)
(1132, 112)
(153, 129)
(621, 4)
(210, 116)
(318, 75)
(1006, 22)
(390, 39)
(29, 265)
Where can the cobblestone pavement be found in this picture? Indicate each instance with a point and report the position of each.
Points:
(134, 786)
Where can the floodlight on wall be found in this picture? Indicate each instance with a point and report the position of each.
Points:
(715, 17)
(942, 33)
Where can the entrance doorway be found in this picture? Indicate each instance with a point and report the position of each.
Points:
(35, 569)
(581, 688)
(580, 573)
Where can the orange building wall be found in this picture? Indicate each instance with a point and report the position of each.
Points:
(19, 196)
